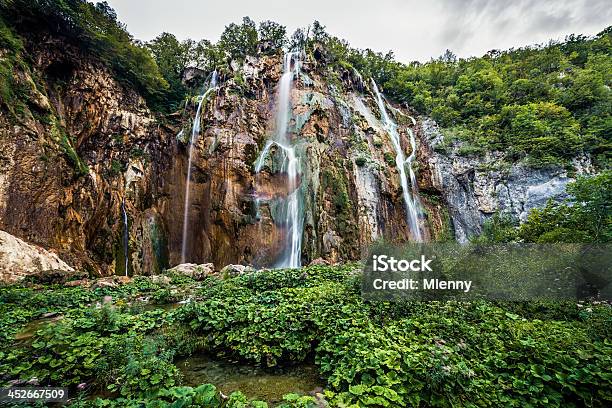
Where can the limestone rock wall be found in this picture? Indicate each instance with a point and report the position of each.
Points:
(474, 188)
(78, 143)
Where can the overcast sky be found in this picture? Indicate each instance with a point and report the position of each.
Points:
(414, 30)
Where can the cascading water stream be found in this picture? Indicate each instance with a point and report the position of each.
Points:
(411, 199)
(409, 160)
(291, 207)
(195, 131)
(125, 235)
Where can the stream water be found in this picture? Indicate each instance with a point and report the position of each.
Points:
(255, 382)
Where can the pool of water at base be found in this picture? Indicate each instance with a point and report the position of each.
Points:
(265, 384)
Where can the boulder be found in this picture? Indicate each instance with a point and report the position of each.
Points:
(123, 279)
(194, 271)
(79, 282)
(318, 261)
(230, 271)
(161, 279)
(107, 282)
(19, 259)
(111, 282)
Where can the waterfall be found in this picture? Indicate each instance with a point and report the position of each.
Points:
(291, 206)
(411, 199)
(195, 131)
(125, 235)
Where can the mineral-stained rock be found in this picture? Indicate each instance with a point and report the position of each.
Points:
(194, 271)
(19, 259)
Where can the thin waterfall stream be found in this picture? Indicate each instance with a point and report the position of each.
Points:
(125, 235)
(195, 132)
(291, 207)
(411, 197)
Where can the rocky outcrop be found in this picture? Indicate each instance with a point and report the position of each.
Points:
(79, 144)
(352, 195)
(19, 260)
(475, 187)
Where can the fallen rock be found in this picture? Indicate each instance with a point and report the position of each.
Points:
(194, 271)
(19, 259)
(123, 279)
(318, 261)
(79, 282)
(107, 282)
(230, 271)
(111, 282)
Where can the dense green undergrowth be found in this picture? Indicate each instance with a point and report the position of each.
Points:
(370, 354)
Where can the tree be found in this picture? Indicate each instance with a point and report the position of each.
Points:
(273, 34)
(206, 56)
(95, 29)
(319, 35)
(238, 41)
(543, 130)
(298, 40)
(171, 55)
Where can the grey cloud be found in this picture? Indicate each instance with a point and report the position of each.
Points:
(478, 22)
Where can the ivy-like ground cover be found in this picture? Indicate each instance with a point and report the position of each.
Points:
(439, 354)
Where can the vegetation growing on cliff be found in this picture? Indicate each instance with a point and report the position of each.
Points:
(370, 354)
(544, 103)
(94, 29)
(584, 217)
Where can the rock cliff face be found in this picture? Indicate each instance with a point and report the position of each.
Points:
(352, 194)
(81, 144)
(474, 188)
(74, 145)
